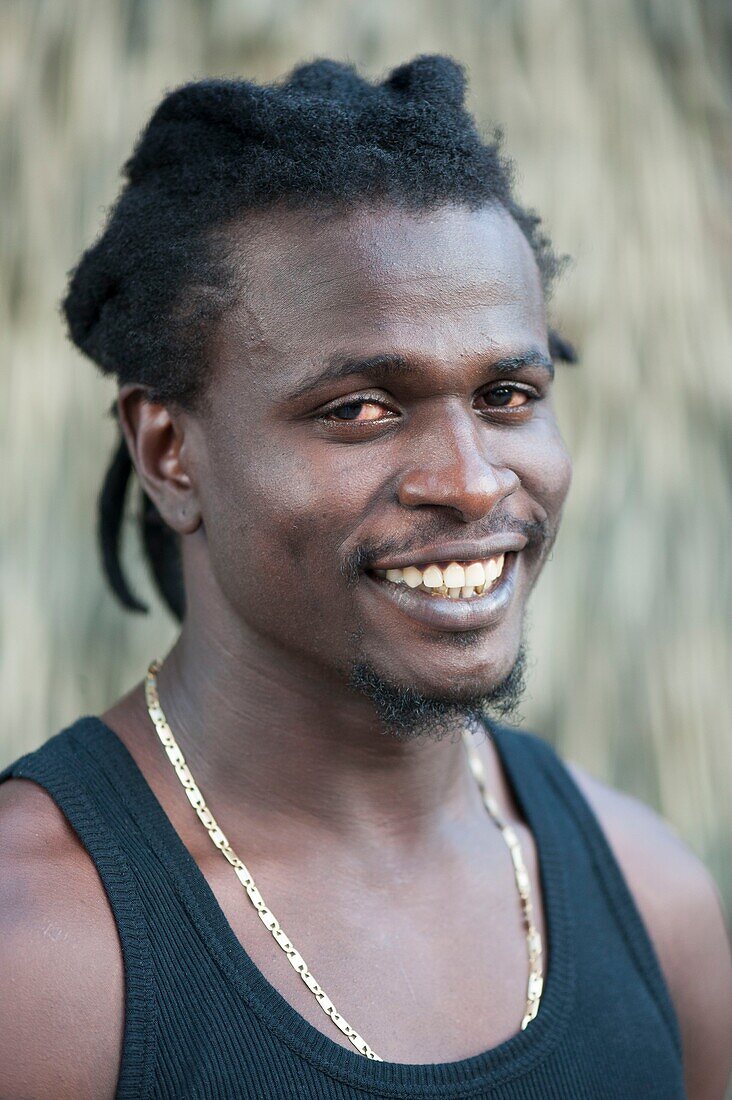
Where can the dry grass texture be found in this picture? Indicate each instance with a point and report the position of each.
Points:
(618, 115)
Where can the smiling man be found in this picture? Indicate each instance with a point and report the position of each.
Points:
(302, 858)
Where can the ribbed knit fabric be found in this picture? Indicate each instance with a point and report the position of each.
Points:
(203, 1023)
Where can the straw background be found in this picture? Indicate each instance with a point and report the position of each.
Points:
(618, 116)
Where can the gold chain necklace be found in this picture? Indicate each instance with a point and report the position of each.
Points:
(533, 938)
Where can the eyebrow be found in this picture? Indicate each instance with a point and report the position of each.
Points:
(390, 365)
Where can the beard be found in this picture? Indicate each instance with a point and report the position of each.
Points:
(406, 714)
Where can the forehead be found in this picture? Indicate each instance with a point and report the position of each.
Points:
(442, 283)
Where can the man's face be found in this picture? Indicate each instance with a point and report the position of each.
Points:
(380, 399)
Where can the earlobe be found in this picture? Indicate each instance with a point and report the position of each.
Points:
(189, 520)
(157, 443)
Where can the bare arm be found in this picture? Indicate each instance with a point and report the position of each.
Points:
(61, 971)
(681, 908)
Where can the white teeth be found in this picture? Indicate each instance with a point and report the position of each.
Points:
(454, 575)
(432, 577)
(454, 581)
(474, 574)
(494, 568)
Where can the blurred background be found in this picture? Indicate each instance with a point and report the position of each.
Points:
(618, 116)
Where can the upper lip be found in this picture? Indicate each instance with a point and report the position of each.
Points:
(454, 551)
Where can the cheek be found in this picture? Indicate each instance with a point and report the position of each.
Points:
(277, 516)
(545, 468)
(306, 499)
(260, 508)
(555, 477)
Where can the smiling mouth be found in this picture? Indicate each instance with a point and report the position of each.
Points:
(454, 580)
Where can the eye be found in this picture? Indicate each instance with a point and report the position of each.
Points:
(358, 410)
(506, 397)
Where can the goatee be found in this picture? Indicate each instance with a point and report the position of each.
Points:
(406, 713)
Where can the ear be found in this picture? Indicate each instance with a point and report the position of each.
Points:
(156, 440)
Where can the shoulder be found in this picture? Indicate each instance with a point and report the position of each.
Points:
(682, 911)
(61, 967)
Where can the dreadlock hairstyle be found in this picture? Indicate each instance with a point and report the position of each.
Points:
(141, 300)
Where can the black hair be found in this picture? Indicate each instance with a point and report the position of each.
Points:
(142, 298)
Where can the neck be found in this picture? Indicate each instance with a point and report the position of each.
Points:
(260, 730)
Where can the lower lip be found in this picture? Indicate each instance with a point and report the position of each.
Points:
(443, 613)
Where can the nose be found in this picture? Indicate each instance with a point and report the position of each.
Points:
(451, 468)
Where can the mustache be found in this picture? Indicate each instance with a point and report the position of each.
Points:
(538, 534)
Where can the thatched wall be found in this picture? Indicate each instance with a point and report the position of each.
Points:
(618, 114)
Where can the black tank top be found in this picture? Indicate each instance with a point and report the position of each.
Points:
(203, 1023)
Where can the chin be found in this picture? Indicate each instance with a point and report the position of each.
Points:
(409, 707)
(449, 665)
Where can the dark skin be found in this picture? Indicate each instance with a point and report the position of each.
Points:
(355, 838)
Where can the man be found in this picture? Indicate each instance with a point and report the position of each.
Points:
(325, 313)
